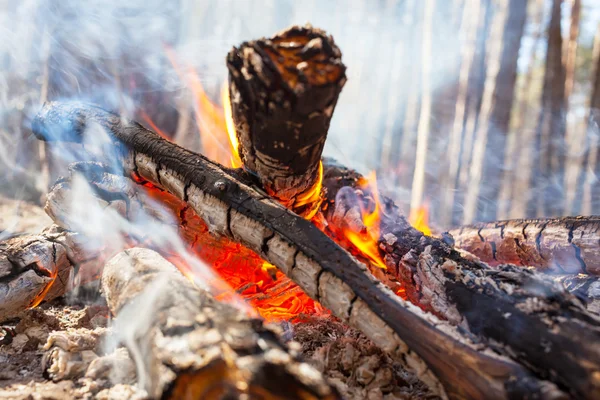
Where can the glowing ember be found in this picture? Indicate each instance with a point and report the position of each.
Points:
(419, 219)
(267, 290)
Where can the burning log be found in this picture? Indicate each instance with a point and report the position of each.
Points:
(34, 268)
(490, 303)
(283, 91)
(567, 245)
(329, 274)
(226, 353)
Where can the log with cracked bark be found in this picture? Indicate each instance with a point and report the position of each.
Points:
(283, 91)
(231, 207)
(38, 267)
(521, 314)
(189, 345)
(566, 245)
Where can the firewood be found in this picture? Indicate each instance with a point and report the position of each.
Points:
(35, 268)
(521, 314)
(325, 271)
(191, 346)
(567, 245)
(283, 92)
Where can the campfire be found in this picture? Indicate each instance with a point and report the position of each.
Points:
(263, 270)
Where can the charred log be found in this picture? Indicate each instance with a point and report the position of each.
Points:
(567, 245)
(283, 92)
(226, 353)
(326, 272)
(491, 303)
(38, 267)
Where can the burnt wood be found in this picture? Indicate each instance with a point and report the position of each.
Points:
(226, 353)
(566, 245)
(466, 366)
(37, 267)
(518, 312)
(283, 91)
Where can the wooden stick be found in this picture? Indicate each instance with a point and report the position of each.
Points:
(283, 92)
(190, 346)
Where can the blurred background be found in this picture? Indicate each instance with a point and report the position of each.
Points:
(474, 109)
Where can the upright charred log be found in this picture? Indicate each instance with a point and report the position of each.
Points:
(283, 91)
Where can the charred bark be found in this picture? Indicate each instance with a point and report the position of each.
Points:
(567, 245)
(283, 91)
(322, 269)
(490, 303)
(226, 353)
(34, 268)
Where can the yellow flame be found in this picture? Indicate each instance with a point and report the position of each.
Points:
(230, 126)
(366, 242)
(419, 219)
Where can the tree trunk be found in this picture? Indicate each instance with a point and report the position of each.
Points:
(588, 186)
(497, 124)
(473, 105)
(547, 194)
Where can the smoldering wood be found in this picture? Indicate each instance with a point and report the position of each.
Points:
(36, 267)
(567, 245)
(226, 353)
(283, 91)
(494, 304)
(322, 269)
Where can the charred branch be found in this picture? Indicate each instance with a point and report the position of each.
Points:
(321, 268)
(226, 353)
(567, 245)
(283, 92)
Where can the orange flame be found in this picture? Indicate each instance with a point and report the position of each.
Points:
(215, 123)
(366, 241)
(419, 219)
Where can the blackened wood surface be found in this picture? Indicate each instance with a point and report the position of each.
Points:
(520, 313)
(283, 92)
